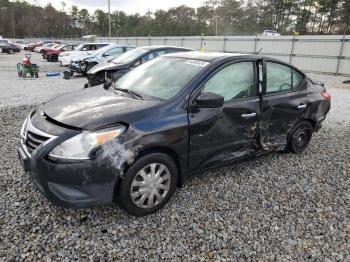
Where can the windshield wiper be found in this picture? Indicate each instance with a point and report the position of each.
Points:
(132, 93)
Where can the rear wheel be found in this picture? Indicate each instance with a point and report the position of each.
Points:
(36, 75)
(300, 137)
(148, 184)
(11, 51)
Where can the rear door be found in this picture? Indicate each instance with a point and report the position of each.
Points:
(284, 103)
(219, 135)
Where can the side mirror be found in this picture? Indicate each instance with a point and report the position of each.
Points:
(210, 100)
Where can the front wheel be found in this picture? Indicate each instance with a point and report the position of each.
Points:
(11, 51)
(148, 184)
(299, 138)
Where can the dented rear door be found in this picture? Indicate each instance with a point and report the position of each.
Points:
(284, 103)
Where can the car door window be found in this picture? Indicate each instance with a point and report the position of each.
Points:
(234, 81)
(297, 78)
(68, 48)
(113, 52)
(152, 55)
(278, 78)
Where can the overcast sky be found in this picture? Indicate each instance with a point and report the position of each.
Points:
(128, 6)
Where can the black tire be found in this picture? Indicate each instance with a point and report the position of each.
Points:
(123, 196)
(299, 138)
(24, 75)
(36, 75)
(10, 51)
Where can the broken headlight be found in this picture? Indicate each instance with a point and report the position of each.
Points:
(79, 147)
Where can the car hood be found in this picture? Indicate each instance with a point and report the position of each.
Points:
(95, 107)
(107, 66)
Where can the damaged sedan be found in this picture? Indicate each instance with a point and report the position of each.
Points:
(167, 119)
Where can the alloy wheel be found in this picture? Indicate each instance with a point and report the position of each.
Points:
(150, 186)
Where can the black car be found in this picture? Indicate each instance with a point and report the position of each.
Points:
(119, 66)
(9, 48)
(172, 117)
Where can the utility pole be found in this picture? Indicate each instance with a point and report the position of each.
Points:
(109, 19)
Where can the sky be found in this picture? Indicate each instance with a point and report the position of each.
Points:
(128, 6)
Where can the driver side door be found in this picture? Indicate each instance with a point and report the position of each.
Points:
(227, 133)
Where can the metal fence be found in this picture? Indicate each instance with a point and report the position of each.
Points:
(321, 54)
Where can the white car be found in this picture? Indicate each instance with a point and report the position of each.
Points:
(83, 49)
(269, 33)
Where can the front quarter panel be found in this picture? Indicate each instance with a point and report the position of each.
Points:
(164, 131)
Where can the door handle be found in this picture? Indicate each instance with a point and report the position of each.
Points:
(302, 106)
(249, 115)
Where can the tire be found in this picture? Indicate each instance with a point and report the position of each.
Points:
(10, 51)
(36, 75)
(19, 73)
(300, 137)
(128, 192)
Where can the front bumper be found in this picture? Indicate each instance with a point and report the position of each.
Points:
(65, 60)
(82, 184)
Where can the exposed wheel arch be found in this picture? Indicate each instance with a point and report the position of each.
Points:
(158, 149)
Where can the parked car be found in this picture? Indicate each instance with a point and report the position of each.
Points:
(46, 49)
(52, 55)
(117, 67)
(83, 49)
(82, 64)
(169, 118)
(22, 44)
(269, 33)
(40, 49)
(41, 43)
(9, 48)
(5, 41)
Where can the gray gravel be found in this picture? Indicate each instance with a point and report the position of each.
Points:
(278, 207)
(15, 91)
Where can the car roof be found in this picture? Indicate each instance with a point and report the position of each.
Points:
(207, 56)
(152, 47)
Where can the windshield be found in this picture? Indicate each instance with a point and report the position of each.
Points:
(162, 77)
(103, 49)
(79, 47)
(129, 56)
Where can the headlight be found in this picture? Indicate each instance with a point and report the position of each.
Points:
(80, 146)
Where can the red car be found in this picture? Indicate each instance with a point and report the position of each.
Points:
(46, 49)
(52, 55)
(40, 43)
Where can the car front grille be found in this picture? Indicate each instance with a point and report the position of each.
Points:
(32, 138)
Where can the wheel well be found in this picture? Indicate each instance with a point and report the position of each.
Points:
(167, 151)
(312, 122)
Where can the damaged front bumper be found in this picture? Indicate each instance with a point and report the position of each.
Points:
(76, 185)
(73, 184)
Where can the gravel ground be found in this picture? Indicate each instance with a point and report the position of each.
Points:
(278, 207)
(15, 91)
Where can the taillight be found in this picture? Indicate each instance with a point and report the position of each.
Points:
(326, 96)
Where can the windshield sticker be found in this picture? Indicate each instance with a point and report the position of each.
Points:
(196, 63)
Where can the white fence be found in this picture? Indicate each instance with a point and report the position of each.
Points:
(321, 54)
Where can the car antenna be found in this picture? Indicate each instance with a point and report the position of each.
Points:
(259, 51)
